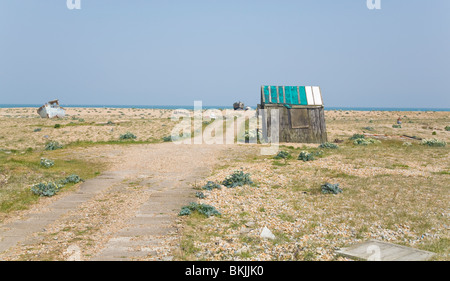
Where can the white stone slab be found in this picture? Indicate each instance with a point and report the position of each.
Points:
(374, 250)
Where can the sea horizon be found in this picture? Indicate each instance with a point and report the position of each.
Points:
(191, 107)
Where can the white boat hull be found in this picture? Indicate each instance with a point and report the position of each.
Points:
(51, 112)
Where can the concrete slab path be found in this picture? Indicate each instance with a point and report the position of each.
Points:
(122, 214)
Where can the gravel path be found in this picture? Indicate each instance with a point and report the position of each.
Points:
(124, 214)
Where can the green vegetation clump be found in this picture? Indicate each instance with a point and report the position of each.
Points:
(434, 142)
(167, 138)
(53, 145)
(357, 136)
(51, 188)
(283, 155)
(396, 126)
(364, 141)
(72, 179)
(328, 145)
(127, 136)
(329, 188)
(210, 185)
(47, 163)
(204, 209)
(57, 126)
(200, 195)
(37, 130)
(306, 156)
(447, 128)
(238, 178)
(45, 189)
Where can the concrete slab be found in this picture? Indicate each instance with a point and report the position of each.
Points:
(138, 231)
(15, 232)
(374, 250)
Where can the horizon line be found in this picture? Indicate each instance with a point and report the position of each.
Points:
(18, 105)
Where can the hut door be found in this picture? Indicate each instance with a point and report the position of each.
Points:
(299, 118)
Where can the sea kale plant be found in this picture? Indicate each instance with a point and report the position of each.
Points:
(306, 156)
(71, 179)
(49, 189)
(329, 188)
(364, 141)
(45, 189)
(47, 163)
(167, 138)
(237, 178)
(283, 155)
(210, 185)
(328, 145)
(203, 209)
(200, 195)
(127, 136)
(53, 145)
(357, 136)
(434, 142)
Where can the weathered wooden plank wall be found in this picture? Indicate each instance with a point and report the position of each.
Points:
(315, 132)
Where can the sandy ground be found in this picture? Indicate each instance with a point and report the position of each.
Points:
(21, 128)
(92, 225)
(422, 124)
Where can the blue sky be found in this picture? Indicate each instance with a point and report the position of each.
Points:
(172, 52)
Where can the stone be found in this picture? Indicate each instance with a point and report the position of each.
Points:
(267, 234)
(250, 224)
(244, 230)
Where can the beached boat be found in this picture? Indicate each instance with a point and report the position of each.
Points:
(51, 109)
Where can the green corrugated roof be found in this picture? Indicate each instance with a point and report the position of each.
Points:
(291, 95)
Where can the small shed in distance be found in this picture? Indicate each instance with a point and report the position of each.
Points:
(301, 113)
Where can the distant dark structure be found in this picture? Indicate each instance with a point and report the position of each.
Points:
(301, 113)
(238, 105)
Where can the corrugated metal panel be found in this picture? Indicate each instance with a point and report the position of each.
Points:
(273, 94)
(302, 91)
(281, 94)
(309, 95)
(317, 96)
(292, 95)
(266, 94)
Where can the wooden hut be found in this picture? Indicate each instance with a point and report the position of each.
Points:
(301, 113)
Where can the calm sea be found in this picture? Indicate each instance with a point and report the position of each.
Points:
(190, 107)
